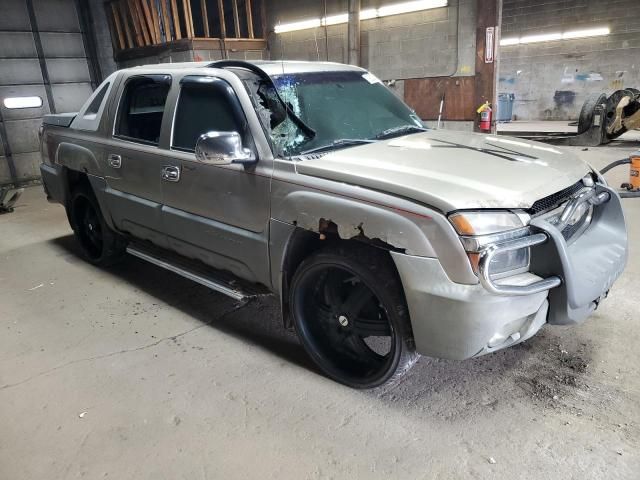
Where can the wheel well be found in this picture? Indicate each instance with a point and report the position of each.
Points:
(304, 243)
(73, 179)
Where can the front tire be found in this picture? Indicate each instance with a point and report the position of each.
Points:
(100, 245)
(350, 313)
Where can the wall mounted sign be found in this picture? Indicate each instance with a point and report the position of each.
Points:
(489, 44)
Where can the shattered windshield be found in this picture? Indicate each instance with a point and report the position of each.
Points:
(337, 105)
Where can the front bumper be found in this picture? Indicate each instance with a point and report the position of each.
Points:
(456, 321)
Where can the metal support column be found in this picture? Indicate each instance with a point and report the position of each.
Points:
(7, 151)
(488, 21)
(354, 32)
(86, 25)
(43, 64)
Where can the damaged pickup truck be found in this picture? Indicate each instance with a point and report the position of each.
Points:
(312, 181)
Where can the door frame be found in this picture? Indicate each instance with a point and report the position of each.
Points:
(233, 256)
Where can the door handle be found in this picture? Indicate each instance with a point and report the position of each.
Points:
(115, 161)
(171, 173)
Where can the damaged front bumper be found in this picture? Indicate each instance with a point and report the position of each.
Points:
(457, 321)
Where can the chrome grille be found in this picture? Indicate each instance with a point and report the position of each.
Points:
(569, 232)
(550, 202)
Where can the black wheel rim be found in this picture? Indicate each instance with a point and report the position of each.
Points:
(344, 325)
(88, 227)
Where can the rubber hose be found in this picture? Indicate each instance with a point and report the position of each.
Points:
(624, 161)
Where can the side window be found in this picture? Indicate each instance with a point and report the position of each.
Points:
(204, 107)
(141, 108)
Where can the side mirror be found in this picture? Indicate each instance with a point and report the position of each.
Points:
(222, 148)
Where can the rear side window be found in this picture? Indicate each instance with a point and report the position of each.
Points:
(141, 108)
(202, 108)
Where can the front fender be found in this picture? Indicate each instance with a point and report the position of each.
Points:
(313, 204)
(313, 211)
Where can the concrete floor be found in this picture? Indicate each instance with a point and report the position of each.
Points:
(556, 126)
(135, 373)
(542, 126)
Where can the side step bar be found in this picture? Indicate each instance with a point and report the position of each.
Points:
(193, 271)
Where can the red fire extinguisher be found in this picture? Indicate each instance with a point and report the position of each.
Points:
(485, 117)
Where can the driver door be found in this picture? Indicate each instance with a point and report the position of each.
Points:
(218, 214)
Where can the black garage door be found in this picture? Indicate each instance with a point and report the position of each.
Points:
(43, 69)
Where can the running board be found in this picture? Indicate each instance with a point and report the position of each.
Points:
(195, 271)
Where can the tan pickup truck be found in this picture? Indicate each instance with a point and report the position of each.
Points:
(312, 181)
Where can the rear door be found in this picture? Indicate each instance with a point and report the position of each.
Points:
(134, 161)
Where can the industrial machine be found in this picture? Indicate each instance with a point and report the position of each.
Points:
(602, 119)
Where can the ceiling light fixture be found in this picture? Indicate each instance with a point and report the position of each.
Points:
(550, 37)
(593, 32)
(367, 14)
(546, 37)
(22, 102)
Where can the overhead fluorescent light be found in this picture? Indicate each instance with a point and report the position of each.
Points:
(409, 7)
(547, 37)
(335, 19)
(593, 32)
(509, 41)
(22, 102)
(300, 25)
(550, 37)
(366, 14)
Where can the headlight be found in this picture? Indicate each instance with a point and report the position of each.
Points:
(484, 223)
(479, 229)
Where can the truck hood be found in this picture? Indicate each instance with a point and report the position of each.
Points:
(453, 170)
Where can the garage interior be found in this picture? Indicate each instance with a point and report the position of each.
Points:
(134, 372)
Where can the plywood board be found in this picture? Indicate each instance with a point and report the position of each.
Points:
(424, 96)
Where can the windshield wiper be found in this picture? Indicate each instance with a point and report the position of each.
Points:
(341, 142)
(402, 129)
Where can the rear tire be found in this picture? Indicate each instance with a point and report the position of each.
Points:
(99, 244)
(351, 315)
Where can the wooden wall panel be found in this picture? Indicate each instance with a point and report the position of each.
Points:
(144, 23)
(424, 95)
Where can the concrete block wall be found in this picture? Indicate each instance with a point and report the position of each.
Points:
(430, 43)
(551, 80)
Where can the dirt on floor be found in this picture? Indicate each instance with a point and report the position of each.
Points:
(134, 373)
